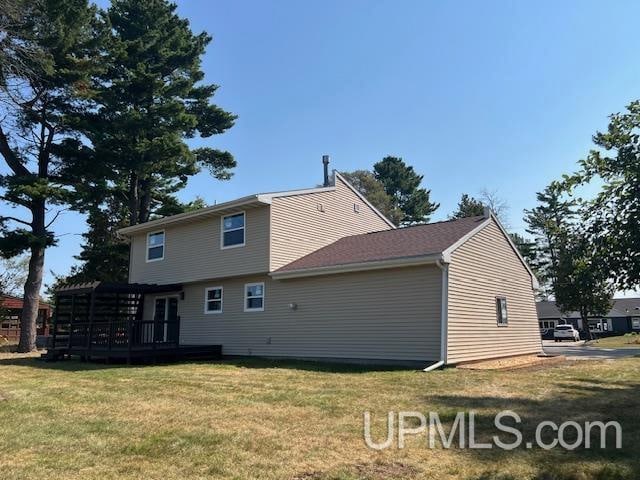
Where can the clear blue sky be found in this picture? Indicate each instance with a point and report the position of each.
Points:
(498, 95)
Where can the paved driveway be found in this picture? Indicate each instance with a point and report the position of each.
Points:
(580, 351)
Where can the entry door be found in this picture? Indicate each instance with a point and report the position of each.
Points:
(166, 319)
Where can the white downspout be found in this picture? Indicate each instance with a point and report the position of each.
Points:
(443, 317)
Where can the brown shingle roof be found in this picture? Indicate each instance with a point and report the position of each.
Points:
(415, 241)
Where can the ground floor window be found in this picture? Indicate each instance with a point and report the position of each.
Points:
(547, 324)
(254, 297)
(501, 311)
(213, 300)
(635, 323)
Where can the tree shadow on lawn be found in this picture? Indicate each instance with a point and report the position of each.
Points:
(74, 365)
(578, 400)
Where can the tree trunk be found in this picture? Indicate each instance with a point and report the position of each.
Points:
(585, 325)
(31, 300)
(133, 199)
(145, 201)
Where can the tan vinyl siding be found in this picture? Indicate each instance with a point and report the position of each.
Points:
(298, 227)
(192, 251)
(481, 269)
(379, 315)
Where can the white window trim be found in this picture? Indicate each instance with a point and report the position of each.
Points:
(264, 292)
(497, 301)
(164, 246)
(244, 227)
(206, 300)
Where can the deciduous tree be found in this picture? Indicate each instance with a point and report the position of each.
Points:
(366, 183)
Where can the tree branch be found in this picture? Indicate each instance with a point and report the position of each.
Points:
(10, 157)
(14, 219)
(55, 217)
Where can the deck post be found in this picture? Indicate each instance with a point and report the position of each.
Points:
(129, 340)
(55, 324)
(92, 303)
(73, 312)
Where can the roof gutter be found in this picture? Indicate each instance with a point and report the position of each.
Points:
(443, 265)
(358, 267)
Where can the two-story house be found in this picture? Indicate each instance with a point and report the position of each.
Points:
(321, 274)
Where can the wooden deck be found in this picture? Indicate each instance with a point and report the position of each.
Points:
(106, 322)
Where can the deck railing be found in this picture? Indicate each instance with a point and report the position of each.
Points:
(119, 334)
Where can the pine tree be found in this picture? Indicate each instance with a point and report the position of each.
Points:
(468, 207)
(40, 103)
(402, 184)
(151, 99)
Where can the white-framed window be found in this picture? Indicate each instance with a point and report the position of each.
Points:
(501, 311)
(213, 297)
(155, 246)
(254, 297)
(232, 232)
(635, 323)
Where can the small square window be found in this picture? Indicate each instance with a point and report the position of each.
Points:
(501, 311)
(213, 300)
(155, 246)
(233, 230)
(254, 297)
(356, 207)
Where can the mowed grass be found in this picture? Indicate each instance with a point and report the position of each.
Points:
(270, 420)
(619, 341)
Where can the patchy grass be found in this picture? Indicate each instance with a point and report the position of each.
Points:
(630, 340)
(293, 420)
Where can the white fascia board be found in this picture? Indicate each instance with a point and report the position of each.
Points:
(362, 197)
(358, 267)
(182, 217)
(446, 254)
(292, 193)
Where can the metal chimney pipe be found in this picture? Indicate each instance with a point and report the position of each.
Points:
(325, 162)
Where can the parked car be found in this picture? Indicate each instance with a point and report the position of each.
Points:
(565, 332)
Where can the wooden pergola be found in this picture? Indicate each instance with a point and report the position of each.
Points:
(106, 321)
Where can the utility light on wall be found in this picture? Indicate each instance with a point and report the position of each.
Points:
(293, 306)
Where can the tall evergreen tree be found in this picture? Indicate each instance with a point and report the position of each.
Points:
(39, 104)
(550, 223)
(152, 99)
(612, 218)
(468, 207)
(402, 183)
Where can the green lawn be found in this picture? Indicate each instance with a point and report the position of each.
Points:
(620, 341)
(259, 419)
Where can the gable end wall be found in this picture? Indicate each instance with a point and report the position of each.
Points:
(298, 227)
(482, 269)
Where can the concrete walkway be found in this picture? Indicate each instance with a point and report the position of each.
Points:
(580, 351)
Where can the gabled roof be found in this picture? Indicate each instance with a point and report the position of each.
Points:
(250, 201)
(403, 246)
(622, 307)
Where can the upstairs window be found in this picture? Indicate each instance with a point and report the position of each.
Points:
(254, 297)
(213, 300)
(233, 230)
(501, 311)
(155, 246)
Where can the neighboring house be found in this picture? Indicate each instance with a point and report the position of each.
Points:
(11, 313)
(321, 274)
(624, 317)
